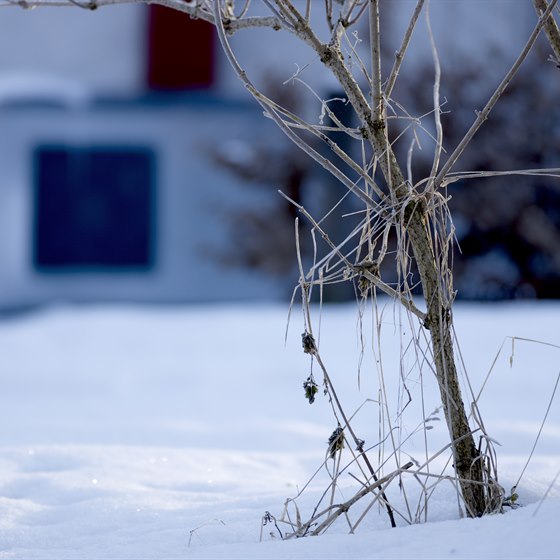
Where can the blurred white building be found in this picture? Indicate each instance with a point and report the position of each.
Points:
(106, 119)
(107, 190)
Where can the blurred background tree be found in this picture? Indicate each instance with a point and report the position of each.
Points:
(507, 228)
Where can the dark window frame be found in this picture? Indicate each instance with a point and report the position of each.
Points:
(58, 223)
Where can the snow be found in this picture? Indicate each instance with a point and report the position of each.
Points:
(167, 432)
(35, 88)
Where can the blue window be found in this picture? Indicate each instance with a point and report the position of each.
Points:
(94, 208)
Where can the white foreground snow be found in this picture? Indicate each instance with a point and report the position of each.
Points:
(166, 433)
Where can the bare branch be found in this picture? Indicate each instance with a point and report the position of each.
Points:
(460, 175)
(351, 20)
(382, 483)
(195, 9)
(272, 111)
(550, 28)
(374, 279)
(399, 55)
(483, 115)
(376, 96)
(244, 10)
(282, 14)
(437, 106)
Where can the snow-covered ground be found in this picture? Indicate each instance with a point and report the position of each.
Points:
(166, 433)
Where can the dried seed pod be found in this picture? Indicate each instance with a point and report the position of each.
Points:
(336, 442)
(364, 286)
(364, 269)
(308, 343)
(311, 388)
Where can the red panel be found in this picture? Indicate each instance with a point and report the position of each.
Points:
(181, 51)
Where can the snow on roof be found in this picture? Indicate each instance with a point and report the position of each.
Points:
(28, 88)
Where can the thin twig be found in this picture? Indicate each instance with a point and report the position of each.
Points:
(345, 506)
(399, 55)
(269, 107)
(550, 486)
(371, 277)
(377, 108)
(540, 430)
(436, 100)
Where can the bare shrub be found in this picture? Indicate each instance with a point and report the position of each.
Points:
(390, 202)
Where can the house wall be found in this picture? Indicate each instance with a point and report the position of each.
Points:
(191, 198)
(102, 51)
